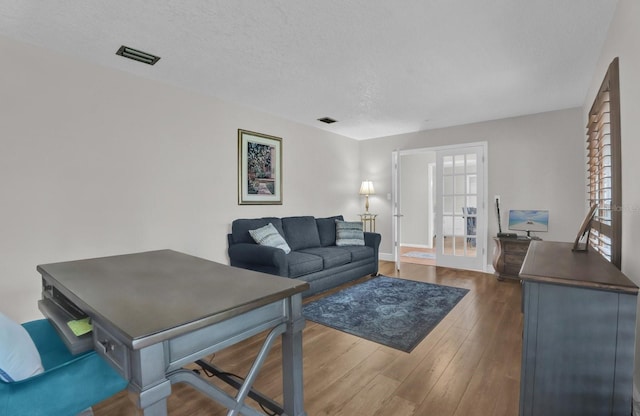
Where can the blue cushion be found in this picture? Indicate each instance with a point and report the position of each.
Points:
(303, 263)
(331, 256)
(349, 233)
(359, 252)
(327, 230)
(240, 228)
(301, 232)
(69, 383)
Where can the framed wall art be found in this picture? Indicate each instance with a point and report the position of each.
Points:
(259, 168)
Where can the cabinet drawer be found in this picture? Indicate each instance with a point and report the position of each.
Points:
(512, 269)
(514, 259)
(517, 248)
(111, 349)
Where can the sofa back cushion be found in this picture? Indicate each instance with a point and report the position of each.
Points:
(240, 228)
(327, 230)
(301, 232)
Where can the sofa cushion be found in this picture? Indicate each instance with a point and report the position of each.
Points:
(269, 236)
(327, 230)
(301, 232)
(19, 357)
(240, 228)
(303, 263)
(349, 233)
(359, 252)
(331, 256)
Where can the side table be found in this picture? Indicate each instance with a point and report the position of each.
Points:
(508, 257)
(368, 221)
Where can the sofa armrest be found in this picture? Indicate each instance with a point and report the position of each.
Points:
(260, 258)
(372, 240)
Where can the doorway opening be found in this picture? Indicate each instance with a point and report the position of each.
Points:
(439, 215)
(417, 180)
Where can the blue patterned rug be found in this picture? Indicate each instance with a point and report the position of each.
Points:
(394, 312)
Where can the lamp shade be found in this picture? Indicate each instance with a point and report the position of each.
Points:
(367, 188)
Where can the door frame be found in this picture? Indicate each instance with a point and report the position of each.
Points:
(431, 168)
(395, 193)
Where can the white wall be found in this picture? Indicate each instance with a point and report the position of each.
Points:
(95, 162)
(622, 41)
(535, 162)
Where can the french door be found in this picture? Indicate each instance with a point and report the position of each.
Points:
(460, 208)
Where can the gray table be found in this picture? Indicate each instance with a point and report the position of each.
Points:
(154, 312)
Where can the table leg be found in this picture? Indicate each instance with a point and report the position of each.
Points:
(148, 385)
(236, 405)
(292, 359)
(156, 409)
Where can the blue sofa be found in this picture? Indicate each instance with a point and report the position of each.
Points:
(314, 256)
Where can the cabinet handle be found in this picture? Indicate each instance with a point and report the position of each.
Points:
(106, 346)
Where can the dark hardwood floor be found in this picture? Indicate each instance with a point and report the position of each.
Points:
(468, 365)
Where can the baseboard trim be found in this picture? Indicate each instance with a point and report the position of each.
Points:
(385, 256)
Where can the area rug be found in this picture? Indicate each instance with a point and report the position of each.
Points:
(420, 255)
(394, 312)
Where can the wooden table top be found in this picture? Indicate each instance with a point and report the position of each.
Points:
(555, 262)
(143, 294)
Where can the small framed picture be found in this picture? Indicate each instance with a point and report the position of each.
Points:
(259, 169)
(581, 243)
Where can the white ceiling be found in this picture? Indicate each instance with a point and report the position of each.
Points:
(378, 67)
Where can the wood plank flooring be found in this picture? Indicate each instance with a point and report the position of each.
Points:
(468, 365)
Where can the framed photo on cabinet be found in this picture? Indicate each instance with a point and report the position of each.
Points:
(581, 242)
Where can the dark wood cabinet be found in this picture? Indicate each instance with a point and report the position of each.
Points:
(508, 256)
(579, 334)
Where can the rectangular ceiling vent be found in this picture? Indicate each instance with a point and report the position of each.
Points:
(137, 55)
(327, 120)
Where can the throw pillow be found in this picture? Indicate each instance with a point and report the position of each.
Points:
(19, 357)
(269, 236)
(349, 233)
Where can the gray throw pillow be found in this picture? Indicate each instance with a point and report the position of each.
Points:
(269, 236)
(349, 233)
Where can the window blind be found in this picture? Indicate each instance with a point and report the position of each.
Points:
(603, 167)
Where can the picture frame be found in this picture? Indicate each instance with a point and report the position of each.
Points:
(585, 228)
(259, 169)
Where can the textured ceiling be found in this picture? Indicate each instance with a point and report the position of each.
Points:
(378, 67)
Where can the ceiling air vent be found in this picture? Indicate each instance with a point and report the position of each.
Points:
(327, 120)
(137, 55)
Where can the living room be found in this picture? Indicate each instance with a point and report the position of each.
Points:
(98, 162)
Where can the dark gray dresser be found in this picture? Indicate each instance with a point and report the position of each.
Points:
(579, 334)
